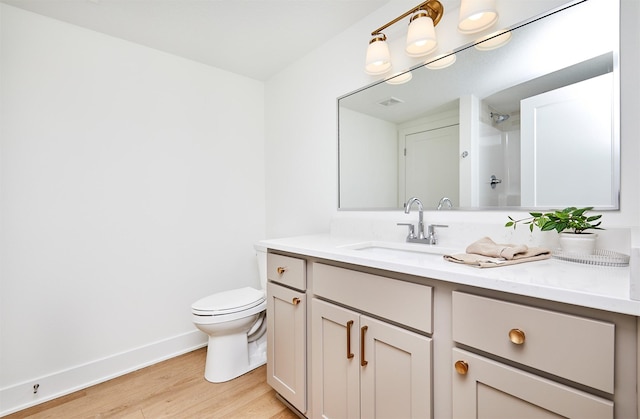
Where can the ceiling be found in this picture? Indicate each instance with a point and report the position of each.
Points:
(254, 38)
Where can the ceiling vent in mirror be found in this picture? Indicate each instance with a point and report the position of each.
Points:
(390, 101)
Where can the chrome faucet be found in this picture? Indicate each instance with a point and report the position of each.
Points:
(444, 200)
(407, 209)
(431, 237)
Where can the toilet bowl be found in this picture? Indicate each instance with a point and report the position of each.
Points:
(235, 322)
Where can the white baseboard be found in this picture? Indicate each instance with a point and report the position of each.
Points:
(22, 396)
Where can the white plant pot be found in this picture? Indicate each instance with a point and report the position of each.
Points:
(578, 244)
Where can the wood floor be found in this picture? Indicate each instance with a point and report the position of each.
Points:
(172, 389)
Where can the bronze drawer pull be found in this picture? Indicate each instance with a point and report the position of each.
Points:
(281, 270)
(295, 301)
(363, 362)
(461, 367)
(349, 353)
(516, 336)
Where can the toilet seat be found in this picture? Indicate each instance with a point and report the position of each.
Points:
(229, 302)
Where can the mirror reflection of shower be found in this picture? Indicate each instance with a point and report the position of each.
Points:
(499, 118)
(499, 156)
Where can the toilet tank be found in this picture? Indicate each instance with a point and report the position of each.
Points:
(261, 255)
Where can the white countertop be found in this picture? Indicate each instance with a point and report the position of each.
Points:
(599, 287)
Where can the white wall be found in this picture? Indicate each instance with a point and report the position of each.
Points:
(301, 124)
(131, 185)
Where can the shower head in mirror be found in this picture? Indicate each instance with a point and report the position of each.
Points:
(499, 118)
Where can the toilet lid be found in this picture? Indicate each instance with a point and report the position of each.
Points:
(227, 302)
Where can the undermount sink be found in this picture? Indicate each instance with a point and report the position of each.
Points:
(400, 249)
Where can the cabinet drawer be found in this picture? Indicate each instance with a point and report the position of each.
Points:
(488, 389)
(572, 347)
(399, 301)
(287, 271)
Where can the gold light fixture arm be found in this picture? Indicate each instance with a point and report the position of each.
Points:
(434, 9)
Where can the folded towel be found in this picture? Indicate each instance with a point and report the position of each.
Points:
(480, 261)
(487, 247)
(485, 253)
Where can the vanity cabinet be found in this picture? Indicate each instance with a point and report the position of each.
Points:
(354, 341)
(363, 366)
(558, 348)
(287, 328)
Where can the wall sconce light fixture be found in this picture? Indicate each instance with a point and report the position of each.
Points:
(378, 56)
(476, 15)
(399, 78)
(441, 61)
(493, 40)
(421, 37)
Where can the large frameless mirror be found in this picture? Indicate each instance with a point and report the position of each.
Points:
(532, 124)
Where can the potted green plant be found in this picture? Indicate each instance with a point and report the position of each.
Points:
(571, 223)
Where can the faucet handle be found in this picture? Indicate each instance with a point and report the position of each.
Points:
(432, 227)
(412, 232)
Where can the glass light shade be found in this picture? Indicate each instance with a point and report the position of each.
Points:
(421, 37)
(400, 78)
(441, 61)
(491, 41)
(477, 15)
(378, 56)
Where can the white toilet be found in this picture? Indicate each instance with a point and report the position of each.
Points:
(236, 323)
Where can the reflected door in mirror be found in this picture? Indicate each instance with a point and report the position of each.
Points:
(431, 166)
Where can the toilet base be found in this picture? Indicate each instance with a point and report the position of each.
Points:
(231, 356)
